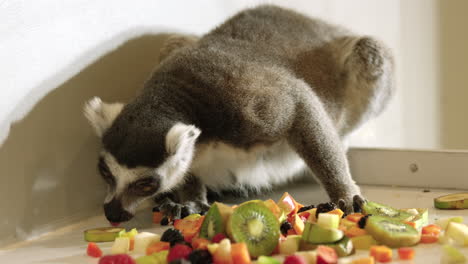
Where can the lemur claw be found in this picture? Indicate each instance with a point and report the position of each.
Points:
(352, 206)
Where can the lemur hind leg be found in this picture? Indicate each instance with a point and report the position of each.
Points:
(189, 198)
(316, 140)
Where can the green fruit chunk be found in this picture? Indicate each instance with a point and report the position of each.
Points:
(130, 234)
(444, 222)
(104, 234)
(452, 201)
(147, 260)
(215, 220)
(256, 226)
(290, 245)
(318, 235)
(343, 247)
(363, 242)
(458, 232)
(392, 232)
(267, 260)
(377, 209)
(451, 255)
(328, 220)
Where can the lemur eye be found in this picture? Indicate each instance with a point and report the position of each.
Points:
(144, 187)
(105, 172)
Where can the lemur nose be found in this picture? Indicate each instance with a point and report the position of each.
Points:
(115, 212)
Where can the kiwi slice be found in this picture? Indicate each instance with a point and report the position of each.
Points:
(103, 234)
(391, 232)
(256, 226)
(316, 234)
(374, 208)
(215, 219)
(452, 201)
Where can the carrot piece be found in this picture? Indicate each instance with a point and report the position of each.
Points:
(354, 217)
(429, 238)
(431, 229)
(381, 253)
(406, 253)
(132, 243)
(157, 217)
(200, 243)
(355, 231)
(240, 254)
(156, 247)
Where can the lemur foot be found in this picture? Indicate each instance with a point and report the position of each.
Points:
(351, 206)
(174, 210)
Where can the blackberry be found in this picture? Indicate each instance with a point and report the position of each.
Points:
(173, 236)
(200, 256)
(306, 208)
(362, 222)
(285, 226)
(325, 207)
(164, 221)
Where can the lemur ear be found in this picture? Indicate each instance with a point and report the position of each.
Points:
(181, 139)
(101, 115)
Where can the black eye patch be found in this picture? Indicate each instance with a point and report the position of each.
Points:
(144, 187)
(105, 172)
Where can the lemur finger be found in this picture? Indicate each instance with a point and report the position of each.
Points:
(358, 202)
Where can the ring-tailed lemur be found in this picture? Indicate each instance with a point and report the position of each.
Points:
(262, 97)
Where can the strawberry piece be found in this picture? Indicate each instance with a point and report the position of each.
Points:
(431, 230)
(179, 251)
(93, 250)
(218, 237)
(429, 238)
(326, 255)
(294, 259)
(406, 253)
(117, 259)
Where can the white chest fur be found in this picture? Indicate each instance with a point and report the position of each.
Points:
(219, 165)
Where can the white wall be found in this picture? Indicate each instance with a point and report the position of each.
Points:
(55, 54)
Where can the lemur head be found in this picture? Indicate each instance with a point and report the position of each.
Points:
(138, 161)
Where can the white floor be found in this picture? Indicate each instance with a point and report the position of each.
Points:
(67, 245)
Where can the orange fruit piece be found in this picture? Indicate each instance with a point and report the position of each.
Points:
(354, 217)
(157, 247)
(355, 231)
(381, 253)
(200, 243)
(157, 217)
(406, 253)
(240, 254)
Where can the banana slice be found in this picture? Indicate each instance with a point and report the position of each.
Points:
(452, 201)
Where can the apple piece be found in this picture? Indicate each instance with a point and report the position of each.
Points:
(327, 220)
(312, 217)
(451, 255)
(277, 211)
(443, 222)
(223, 252)
(146, 260)
(298, 225)
(287, 203)
(326, 255)
(212, 248)
(290, 245)
(458, 232)
(121, 245)
(142, 241)
(319, 235)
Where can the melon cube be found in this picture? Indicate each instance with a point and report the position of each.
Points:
(142, 241)
(451, 255)
(326, 220)
(458, 232)
(444, 222)
(121, 245)
(290, 245)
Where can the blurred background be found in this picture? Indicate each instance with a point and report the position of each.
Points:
(55, 55)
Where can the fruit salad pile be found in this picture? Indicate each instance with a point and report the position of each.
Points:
(269, 232)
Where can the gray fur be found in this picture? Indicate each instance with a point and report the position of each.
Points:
(266, 75)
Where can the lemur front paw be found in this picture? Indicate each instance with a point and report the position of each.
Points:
(351, 205)
(174, 210)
